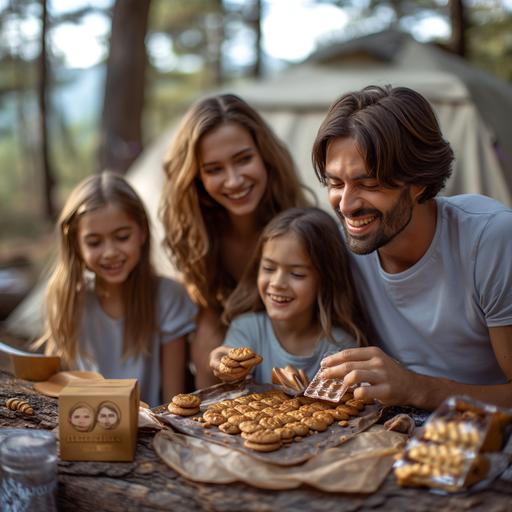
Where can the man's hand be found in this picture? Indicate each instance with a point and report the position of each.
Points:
(389, 381)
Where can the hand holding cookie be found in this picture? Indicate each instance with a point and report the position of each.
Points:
(236, 364)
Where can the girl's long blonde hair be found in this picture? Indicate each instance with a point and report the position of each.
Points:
(192, 220)
(337, 302)
(67, 286)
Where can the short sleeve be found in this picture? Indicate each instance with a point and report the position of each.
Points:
(177, 311)
(240, 333)
(493, 270)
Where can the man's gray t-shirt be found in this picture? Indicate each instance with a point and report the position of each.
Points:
(434, 317)
(254, 330)
(101, 337)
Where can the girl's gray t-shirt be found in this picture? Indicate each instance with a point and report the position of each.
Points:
(101, 338)
(254, 330)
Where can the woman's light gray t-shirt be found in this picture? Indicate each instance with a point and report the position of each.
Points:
(101, 337)
(254, 330)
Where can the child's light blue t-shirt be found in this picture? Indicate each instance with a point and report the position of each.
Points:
(101, 337)
(254, 330)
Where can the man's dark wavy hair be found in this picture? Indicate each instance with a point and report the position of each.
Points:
(397, 134)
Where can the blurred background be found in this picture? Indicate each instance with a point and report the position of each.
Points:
(87, 85)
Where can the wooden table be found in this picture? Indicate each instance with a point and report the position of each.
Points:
(147, 484)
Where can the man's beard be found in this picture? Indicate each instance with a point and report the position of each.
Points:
(392, 223)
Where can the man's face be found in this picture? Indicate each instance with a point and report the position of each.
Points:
(371, 214)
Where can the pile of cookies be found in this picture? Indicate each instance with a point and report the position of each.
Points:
(447, 452)
(237, 363)
(267, 421)
(184, 404)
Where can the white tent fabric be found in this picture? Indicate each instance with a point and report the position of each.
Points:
(474, 110)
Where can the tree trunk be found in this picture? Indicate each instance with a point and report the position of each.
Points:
(459, 27)
(48, 180)
(256, 24)
(121, 123)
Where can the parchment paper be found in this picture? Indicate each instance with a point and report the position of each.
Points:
(294, 453)
(357, 466)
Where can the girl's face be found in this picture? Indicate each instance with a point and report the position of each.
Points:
(110, 244)
(287, 282)
(107, 418)
(231, 169)
(81, 419)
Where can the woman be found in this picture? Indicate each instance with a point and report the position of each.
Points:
(226, 176)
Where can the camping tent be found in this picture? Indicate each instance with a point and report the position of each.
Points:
(473, 109)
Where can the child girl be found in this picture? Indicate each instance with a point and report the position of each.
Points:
(226, 176)
(106, 309)
(296, 302)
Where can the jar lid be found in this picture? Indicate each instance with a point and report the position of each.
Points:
(29, 447)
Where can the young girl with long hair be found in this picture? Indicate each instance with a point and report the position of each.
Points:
(106, 309)
(296, 302)
(226, 176)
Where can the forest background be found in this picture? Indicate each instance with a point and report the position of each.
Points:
(86, 85)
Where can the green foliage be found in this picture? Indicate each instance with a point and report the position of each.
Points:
(490, 39)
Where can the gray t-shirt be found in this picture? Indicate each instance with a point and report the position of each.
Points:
(254, 330)
(102, 339)
(434, 317)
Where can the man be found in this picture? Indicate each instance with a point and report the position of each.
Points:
(435, 273)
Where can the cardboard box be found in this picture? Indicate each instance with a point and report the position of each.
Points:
(98, 420)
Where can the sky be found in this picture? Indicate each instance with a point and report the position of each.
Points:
(292, 29)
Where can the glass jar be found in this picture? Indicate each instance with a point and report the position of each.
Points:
(28, 460)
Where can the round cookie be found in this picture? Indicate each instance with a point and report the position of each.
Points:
(227, 370)
(300, 429)
(236, 419)
(324, 416)
(315, 424)
(241, 353)
(229, 428)
(181, 411)
(249, 426)
(214, 418)
(270, 447)
(354, 402)
(253, 361)
(264, 437)
(231, 363)
(350, 410)
(287, 434)
(187, 401)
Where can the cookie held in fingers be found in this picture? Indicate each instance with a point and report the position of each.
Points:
(253, 361)
(241, 354)
(231, 363)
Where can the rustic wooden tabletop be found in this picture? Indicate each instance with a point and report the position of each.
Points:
(147, 484)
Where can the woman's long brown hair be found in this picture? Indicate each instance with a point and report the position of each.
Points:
(192, 220)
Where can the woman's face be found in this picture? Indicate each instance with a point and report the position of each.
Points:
(107, 418)
(81, 419)
(232, 170)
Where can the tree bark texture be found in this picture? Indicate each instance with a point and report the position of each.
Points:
(47, 172)
(147, 484)
(121, 123)
(459, 27)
